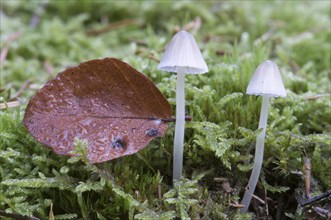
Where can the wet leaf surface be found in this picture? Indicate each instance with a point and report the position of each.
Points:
(117, 109)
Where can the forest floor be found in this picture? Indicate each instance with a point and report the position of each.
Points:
(42, 38)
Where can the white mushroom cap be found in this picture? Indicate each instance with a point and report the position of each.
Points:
(183, 52)
(266, 80)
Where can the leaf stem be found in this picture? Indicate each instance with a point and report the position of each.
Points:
(258, 155)
(180, 126)
(165, 120)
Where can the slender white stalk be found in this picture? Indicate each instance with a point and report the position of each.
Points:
(180, 126)
(258, 154)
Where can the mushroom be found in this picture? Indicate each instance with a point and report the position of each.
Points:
(183, 56)
(266, 82)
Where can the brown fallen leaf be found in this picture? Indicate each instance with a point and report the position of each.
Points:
(106, 102)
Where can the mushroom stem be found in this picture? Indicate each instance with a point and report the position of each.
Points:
(258, 154)
(180, 126)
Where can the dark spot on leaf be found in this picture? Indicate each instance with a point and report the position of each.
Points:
(152, 132)
(118, 143)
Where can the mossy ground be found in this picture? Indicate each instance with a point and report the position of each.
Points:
(40, 39)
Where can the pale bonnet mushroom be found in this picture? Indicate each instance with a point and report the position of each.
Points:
(183, 56)
(266, 82)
